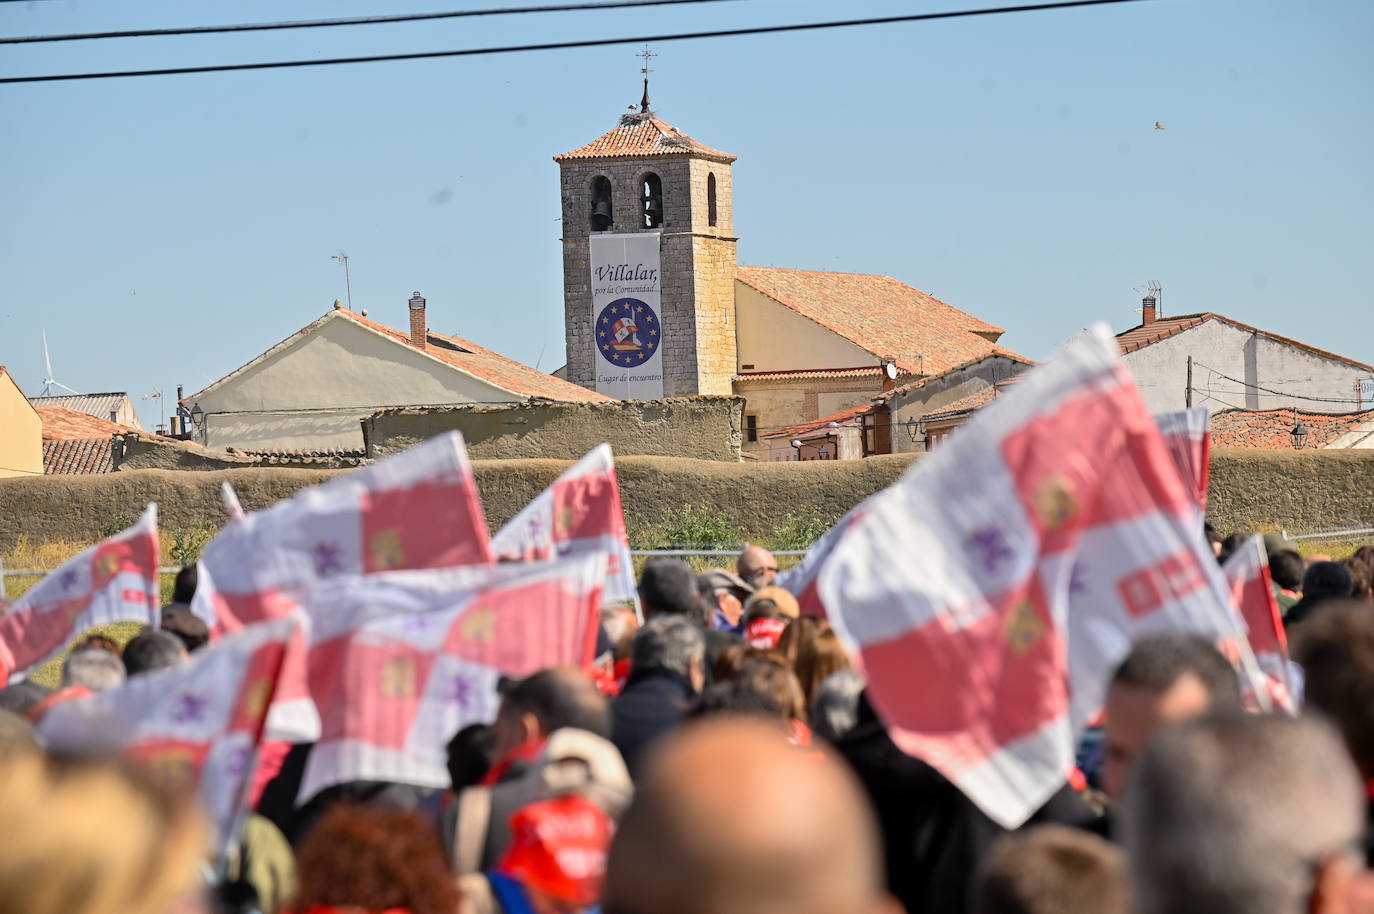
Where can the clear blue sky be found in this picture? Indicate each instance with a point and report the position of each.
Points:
(166, 230)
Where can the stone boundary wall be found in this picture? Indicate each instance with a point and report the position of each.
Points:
(1311, 491)
(704, 428)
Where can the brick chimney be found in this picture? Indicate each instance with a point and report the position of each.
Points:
(417, 321)
(1147, 310)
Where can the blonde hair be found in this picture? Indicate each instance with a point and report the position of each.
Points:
(92, 838)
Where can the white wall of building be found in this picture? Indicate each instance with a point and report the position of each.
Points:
(772, 337)
(1161, 370)
(313, 394)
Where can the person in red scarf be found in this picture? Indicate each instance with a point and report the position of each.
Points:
(361, 859)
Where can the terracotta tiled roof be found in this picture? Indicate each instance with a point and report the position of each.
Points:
(843, 417)
(639, 135)
(962, 406)
(1269, 429)
(888, 318)
(77, 456)
(1165, 327)
(809, 373)
(922, 382)
(61, 423)
(508, 374)
(101, 405)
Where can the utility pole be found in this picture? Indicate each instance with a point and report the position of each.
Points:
(1188, 394)
(342, 258)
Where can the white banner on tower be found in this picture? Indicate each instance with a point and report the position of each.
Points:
(627, 328)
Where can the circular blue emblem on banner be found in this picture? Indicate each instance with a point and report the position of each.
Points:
(627, 332)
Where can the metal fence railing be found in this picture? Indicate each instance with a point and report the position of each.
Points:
(1330, 534)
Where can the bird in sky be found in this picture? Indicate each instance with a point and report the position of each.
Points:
(1158, 125)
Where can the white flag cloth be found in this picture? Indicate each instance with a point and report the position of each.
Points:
(400, 661)
(953, 588)
(115, 580)
(1247, 574)
(1187, 435)
(416, 509)
(196, 724)
(800, 579)
(579, 513)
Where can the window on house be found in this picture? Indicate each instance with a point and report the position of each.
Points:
(652, 202)
(751, 428)
(602, 215)
(711, 199)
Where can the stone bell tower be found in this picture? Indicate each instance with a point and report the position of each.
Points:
(645, 175)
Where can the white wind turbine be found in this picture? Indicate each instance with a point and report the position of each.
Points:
(49, 382)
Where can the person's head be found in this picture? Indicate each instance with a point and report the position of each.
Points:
(668, 586)
(1164, 679)
(1325, 580)
(671, 643)
(620, 624)
(771, 603)
(757, 566)
(817, 658)
(374, 858)
(1230, 544)
(725, 654)
(93, 667)
(1286, 567)
(470, 755)
(1214, 537)
(1244, 814)
(763, 686)
(85, 837)
(104, 642)
(547, 701)
(723, 591)
(185, 587)
(1335, 648)
(716, 828)
(1360, 574)
(1052, 869)
(835, 706)
(189, 628)
(21, 696)
(152, 650)
(798, 631)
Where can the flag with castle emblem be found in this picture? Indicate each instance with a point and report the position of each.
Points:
(579, 513)
(1247, 573)
(1188, 438)
(115, 580)
(953, 589)
(416, 509)
(400, 661)
(197, 724)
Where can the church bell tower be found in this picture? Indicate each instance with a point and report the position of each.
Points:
(645, 175)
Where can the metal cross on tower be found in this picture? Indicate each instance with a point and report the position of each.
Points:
(646, 54)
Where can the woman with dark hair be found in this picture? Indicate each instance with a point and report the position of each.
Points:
(818, 658)
(373, 859)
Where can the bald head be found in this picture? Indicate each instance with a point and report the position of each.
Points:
(757, 566)
(731, 819)
(547, 701)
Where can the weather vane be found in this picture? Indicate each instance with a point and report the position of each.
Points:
(646, 54)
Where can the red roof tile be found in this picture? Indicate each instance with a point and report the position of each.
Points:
(963, 406)
(922, 382)
(61, 423)
(1269, 429)
(77, 456)
(1165, 327)
(844, 416)
(639, 135)
(809, 373)
(888, 318)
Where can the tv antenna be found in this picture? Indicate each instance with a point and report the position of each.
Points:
(162, 405)
(342, 258)
(1154, 290)
(49, 382)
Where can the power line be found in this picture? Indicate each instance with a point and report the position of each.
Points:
(355, 20)
(1277, 393)
(565, 45)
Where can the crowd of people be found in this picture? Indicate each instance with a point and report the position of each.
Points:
(722, 757)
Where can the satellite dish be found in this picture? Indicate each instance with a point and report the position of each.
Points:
(891, 369)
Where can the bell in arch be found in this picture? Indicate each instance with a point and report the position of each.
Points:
(601, 214)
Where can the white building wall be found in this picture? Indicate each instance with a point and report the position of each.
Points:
(312, 395)
(772, 337)
(1219, 348)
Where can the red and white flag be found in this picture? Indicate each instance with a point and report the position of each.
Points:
(954, 588)
(579, 513)
(115, 580)
(399, 662)
(1188, 437)
(197, 724)
(1247, 574)
(417, 509)
(800, 579)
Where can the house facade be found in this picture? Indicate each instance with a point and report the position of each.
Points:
(310, 391)
(21, 431)
(112, 406)
(1208, 359)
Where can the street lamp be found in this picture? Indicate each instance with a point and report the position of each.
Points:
(796, 443)
(197, 418)
(913, 428)
(1299, 433)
